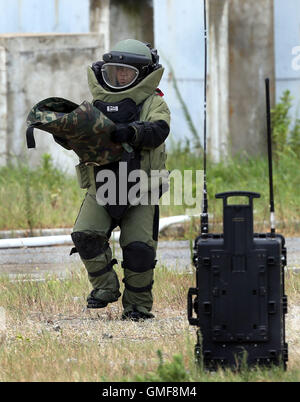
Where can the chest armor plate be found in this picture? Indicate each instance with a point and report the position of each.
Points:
(124, 111)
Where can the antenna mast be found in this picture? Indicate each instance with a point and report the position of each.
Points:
(269, 133)
(204, 214)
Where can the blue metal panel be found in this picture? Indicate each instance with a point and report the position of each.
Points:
(178, 32)
(287, 37)
(35, 16)
(74, 17)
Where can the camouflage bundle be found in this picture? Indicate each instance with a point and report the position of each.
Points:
(82, 128)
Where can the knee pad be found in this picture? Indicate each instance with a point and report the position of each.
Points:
(89, 245)
(138, 257)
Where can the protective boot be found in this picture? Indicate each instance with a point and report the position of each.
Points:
(106, 287)
(97, 298)
(137, 297)
(136, 315)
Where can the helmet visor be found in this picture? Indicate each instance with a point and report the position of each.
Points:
(119, 76)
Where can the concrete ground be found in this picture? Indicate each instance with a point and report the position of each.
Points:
(36, 261)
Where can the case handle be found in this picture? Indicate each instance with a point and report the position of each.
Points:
(228, 194)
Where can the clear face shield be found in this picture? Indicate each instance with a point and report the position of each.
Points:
(119, 76)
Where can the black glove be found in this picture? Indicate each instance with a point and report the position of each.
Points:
(123, 133)
(150, 134)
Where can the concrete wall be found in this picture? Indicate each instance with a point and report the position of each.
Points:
(218, 79)
(35, 67)
(131, 19)
(241, 56)
(122, 19)
(251, 39)
(100, 20)
(3, 107)
(240, 44)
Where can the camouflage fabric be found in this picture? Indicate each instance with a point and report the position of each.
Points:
(82, 128)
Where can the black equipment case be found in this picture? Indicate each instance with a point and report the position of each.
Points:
(239, 298)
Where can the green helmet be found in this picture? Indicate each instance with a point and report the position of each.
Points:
(82, 128)
(129, 62)
(133, 46)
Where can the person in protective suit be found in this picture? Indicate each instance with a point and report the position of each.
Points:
(124, 88)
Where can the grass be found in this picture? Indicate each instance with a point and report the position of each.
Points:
(37, 198)
(46, 197)
(51, 337)
(248, 174)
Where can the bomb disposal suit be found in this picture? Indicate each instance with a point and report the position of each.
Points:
(124, 89)
(121, 133)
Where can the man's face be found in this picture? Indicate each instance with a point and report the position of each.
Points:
(119, 76)
(125, 75)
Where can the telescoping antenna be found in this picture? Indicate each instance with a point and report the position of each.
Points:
(269, 134)
(204, 214)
